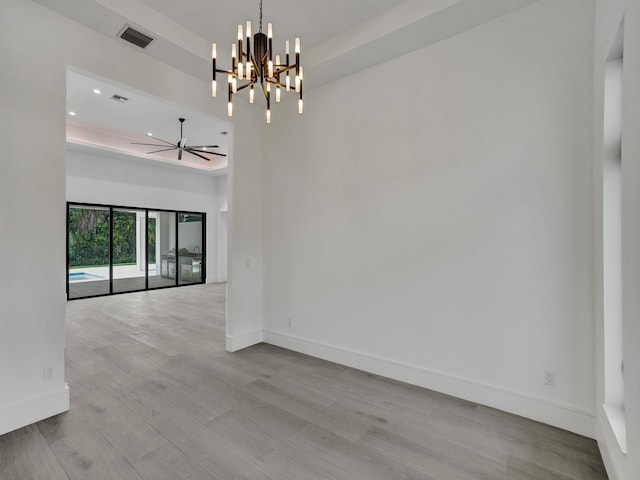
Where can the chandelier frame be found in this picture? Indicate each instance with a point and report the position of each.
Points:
(260, 67)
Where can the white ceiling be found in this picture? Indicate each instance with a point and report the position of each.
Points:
(314, 21)
(338, 38)
(105, 123)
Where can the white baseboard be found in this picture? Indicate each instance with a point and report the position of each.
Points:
(34, 410)
(244, 340)
(560, 415)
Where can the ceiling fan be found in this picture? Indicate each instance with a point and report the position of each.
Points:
(181, 146)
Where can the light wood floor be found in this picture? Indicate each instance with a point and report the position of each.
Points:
(155, 396)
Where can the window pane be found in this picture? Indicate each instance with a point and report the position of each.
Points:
(161, 257)
(88, 251)
(190, 251)
(128, 250)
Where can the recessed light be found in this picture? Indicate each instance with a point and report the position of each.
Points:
(97, 91)
(204, 148)
(149, 134)
(73, 114)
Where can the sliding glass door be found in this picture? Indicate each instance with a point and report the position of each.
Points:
(190, 248)
(124, 249)
(161, 249)
(129, 237)
(88, 251)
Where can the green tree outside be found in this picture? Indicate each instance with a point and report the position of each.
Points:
(89, 237)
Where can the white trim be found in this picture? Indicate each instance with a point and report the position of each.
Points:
(612, 456)
(238, 342)
(25, 413)
(618, 425)
(567, 417)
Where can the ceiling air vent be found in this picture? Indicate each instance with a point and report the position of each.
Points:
(132, 35)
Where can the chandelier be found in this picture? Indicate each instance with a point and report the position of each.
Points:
(260, 68)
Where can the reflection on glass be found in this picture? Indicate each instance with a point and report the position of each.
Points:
(88, 251)
(161, 249)
(189, 248)
(128, 250)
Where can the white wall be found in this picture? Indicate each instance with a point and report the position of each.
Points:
(222, 213)
(440, 231)
(609, 13)
(103, 178)
(32, 217)
(39, 45)
(245, 268)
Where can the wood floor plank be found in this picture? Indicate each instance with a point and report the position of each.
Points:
(249, 437)
(87, 454)
(169, 463)
(217, 456)
(357, 459)
(279, 421)
(124, 428)
(294, 462)
(25, 455)
(428, 453)
(326, 416)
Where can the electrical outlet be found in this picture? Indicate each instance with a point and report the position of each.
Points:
(47, 373)
(550, 378)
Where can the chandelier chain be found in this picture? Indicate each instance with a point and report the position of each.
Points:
(260, 16)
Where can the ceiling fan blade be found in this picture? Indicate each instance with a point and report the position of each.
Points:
(148, 144)
(191, 150)
(197, 154)
(180, 154)
(200, 147)
(163, 141)
(163, 150)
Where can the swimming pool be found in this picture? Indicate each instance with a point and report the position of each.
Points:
(80, 276)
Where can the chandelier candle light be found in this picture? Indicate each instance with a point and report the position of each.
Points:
(259, 67)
